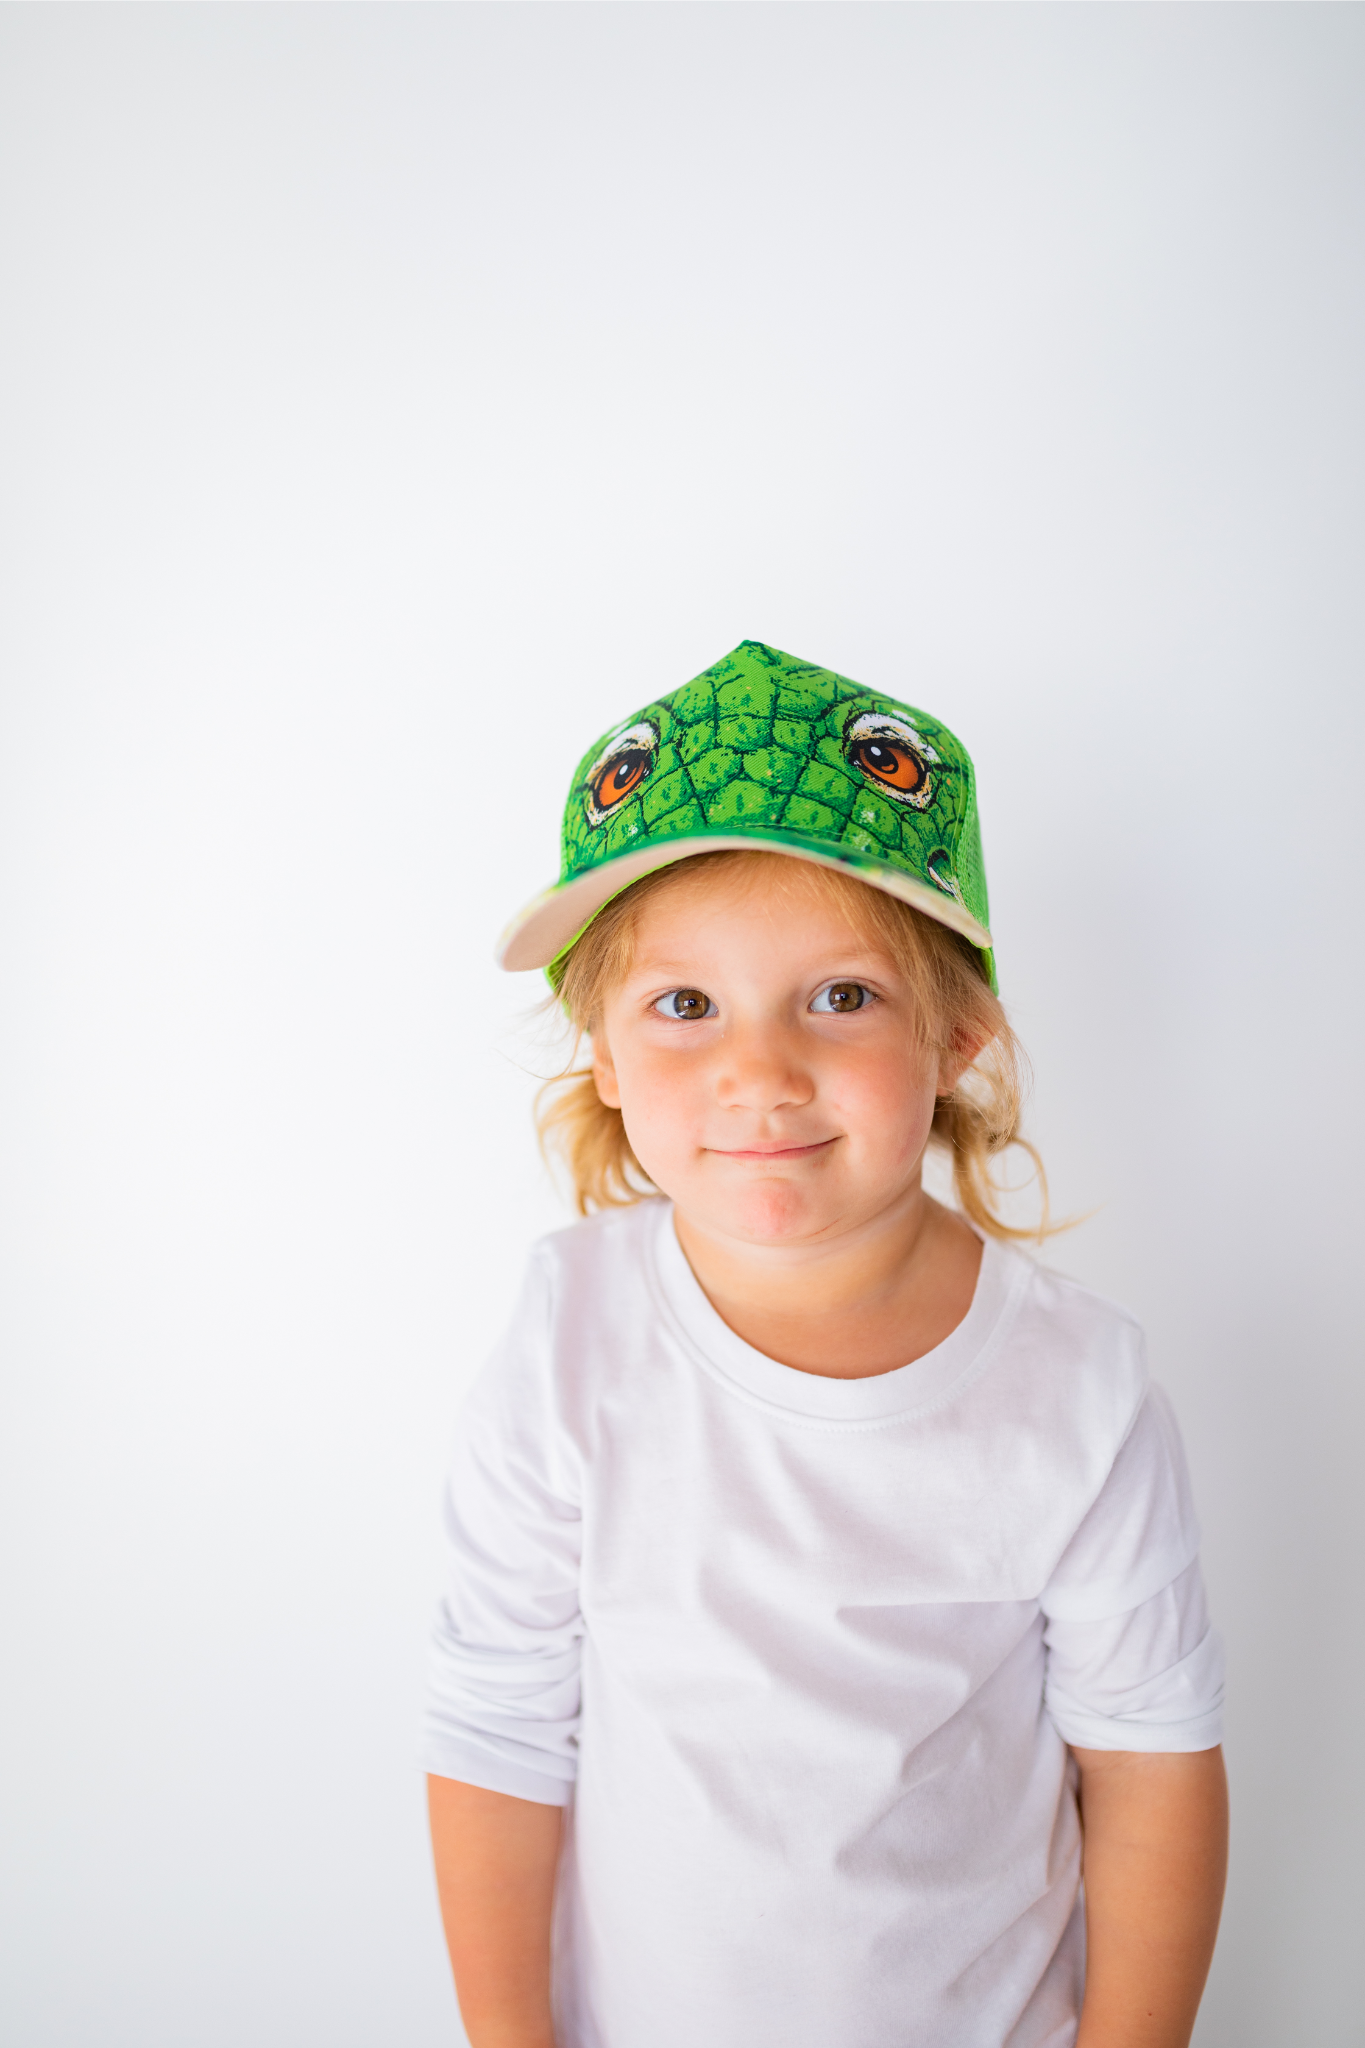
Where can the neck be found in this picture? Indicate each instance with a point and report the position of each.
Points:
(877, 1296)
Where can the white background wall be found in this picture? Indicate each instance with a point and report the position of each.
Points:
(393, 398)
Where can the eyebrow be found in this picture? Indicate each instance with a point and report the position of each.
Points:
(661, 965)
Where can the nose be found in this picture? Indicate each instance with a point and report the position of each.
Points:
(760, 1070)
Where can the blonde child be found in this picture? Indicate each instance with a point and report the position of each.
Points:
(823, 1598)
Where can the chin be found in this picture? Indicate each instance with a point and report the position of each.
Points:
(775, 1214)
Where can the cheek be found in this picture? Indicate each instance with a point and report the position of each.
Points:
(661, 1102)
(886, 1101)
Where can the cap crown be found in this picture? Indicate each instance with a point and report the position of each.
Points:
(768, 747)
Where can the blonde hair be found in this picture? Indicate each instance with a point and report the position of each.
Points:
(953, 1004)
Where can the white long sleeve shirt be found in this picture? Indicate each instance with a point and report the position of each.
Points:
(803, 1655)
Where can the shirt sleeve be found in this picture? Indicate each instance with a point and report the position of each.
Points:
(1132, 1662)
(503, 1699)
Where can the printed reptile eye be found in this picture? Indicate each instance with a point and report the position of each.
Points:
(621, 775)
(893, 756)
(620, 768)
(890, 761)
(940, 869)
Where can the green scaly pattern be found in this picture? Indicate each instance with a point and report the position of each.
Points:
(757, 744)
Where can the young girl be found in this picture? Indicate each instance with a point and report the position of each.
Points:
(823, 1596)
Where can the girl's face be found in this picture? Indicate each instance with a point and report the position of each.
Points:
(763, 1054)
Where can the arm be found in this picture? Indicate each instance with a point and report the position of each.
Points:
(495, 1872)
(1154, 1861)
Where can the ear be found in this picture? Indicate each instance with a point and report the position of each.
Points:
(953, 1063)
(604, 1073)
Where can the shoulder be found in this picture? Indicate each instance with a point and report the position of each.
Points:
(612, 1250)
(1068, 1360)
(585, 1294)
(610, 1235)
(1069, 1416)
(1075, 1315)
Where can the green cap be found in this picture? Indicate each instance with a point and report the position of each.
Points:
(772, 754)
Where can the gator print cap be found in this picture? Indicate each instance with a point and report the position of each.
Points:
(765, 752)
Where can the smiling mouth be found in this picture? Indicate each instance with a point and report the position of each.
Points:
(772, 1151)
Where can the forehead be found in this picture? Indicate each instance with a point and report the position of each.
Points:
(783, 904)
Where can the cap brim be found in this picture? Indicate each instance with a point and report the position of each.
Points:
(553, 920)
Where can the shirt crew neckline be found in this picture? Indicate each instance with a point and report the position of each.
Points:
(905, 1390)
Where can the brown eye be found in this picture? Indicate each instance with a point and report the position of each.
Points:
(889, 761)
(623, 773)
(841, 997)
(689, 1005)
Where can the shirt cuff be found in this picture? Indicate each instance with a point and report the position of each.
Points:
(473, 1765)
(1151, 1738)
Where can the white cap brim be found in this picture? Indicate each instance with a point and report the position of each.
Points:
(552, 921)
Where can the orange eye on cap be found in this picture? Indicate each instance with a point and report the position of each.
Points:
(893, 755)
(620, 768)
(890, 761)
(623, 773)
